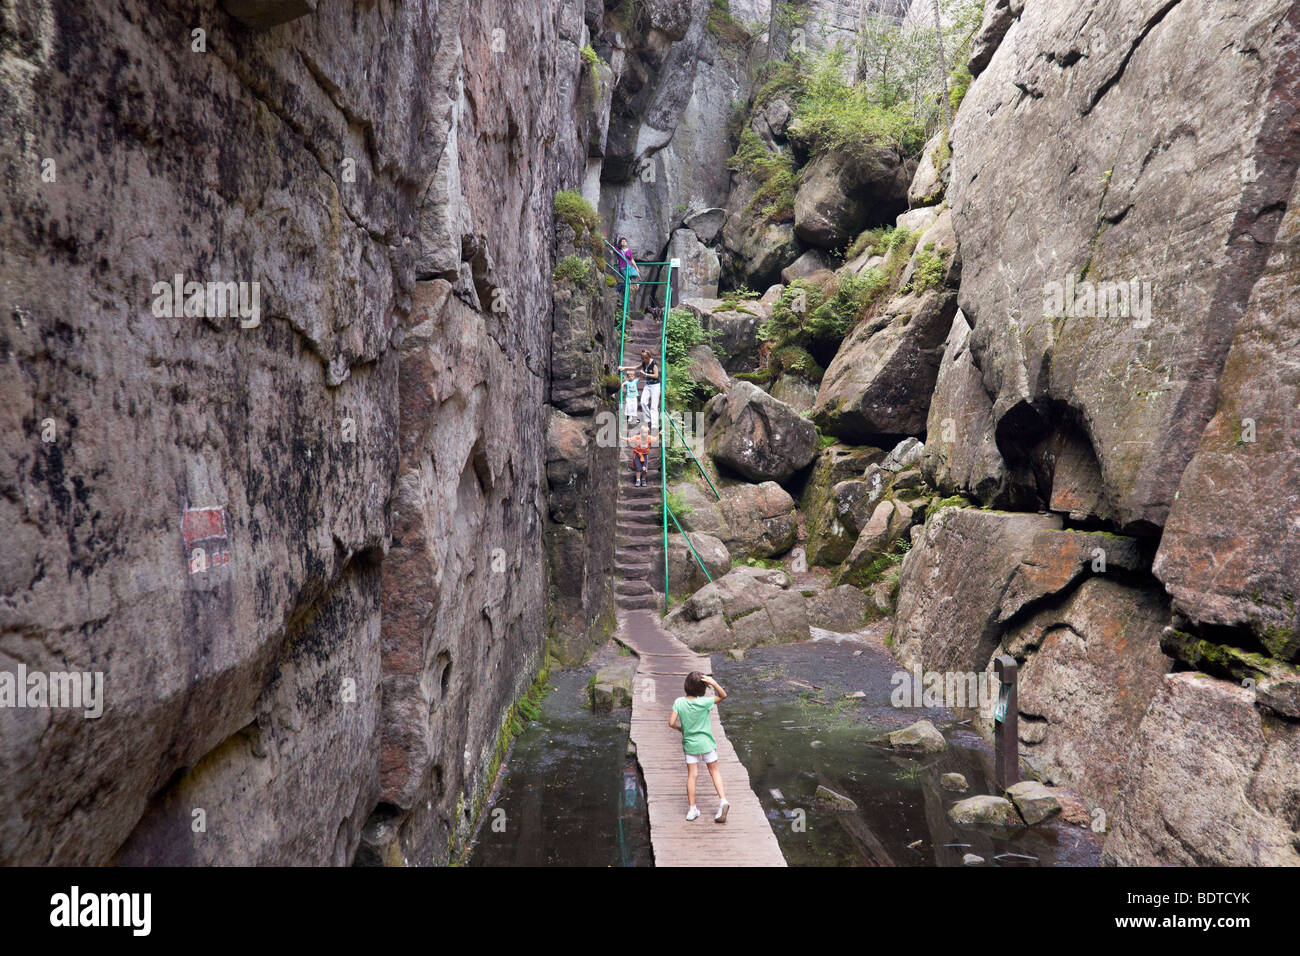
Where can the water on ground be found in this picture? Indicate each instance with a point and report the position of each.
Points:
(572, 797)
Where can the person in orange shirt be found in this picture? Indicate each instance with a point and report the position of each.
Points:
(641, 453)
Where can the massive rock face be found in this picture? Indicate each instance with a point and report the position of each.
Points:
(1212, 782)
(244, 524)
(1041, 231)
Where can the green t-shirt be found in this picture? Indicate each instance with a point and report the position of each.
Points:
(693, 712)
(629, 392)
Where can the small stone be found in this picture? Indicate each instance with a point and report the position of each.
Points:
(1034, 801)
(920, 737)
(826, 797)
(736, 653)
(630, 750)
(971, 859)
(953, 781)
(815, 743)
(985, 809)
(856, 695)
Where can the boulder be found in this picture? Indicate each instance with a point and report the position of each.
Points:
(926, 189)
(985, 810)
(734, 331)
(611, 686)
(998, 17)
(1033, 801)
(953, 781)
(842, 609)
(743, 608)
(842, 193)
(1277, 685)
(921, 737)
(795, 391)
(1211, 782)
(1056, 559)
(917, 220)
(832, 800)
(905, 454)
(685, 576)
(888, 523)
(706, 368)
(706, 223)
(835, 463)
(833, 532)
(879, 383)
(756, 435)
(752, 521)
(961, 456)
(698, 276)
(808, 264)
(951, 585)
(760, 520)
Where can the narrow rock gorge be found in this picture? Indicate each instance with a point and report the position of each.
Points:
(979, 333)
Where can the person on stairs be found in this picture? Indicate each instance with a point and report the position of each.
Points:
(626, 267)
(641, 454)
(691, 716)
(630, 389)
(650, 394)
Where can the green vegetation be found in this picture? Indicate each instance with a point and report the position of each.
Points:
(809, 322)
(930, 269)
(834, 116)
(958, 83)
(579, 215)
(676, 504)
(683, 332)
(574, 269)
(774, 175)
(591, 57)
(721, 24)
(879, 567)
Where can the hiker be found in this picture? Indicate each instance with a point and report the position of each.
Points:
(630, 396)
(626, 268)
(650, 394)
(691, 716)
(640, 454)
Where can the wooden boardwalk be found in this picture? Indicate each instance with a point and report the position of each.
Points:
(746, 839)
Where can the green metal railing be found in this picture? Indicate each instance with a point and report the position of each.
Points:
(663, 393)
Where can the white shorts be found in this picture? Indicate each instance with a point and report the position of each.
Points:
(710, 757)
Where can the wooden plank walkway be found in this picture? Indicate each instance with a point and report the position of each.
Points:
(746, 839)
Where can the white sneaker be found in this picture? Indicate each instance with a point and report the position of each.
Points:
(721, 815)
(692, 814)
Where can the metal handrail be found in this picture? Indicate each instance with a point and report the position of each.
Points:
(689, 544)
(663, 381)
(687, 445)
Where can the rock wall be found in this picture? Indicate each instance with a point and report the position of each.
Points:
(305, 549)
(1124, 362)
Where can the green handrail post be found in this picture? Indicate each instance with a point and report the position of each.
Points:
(672, 421)
(663, 382)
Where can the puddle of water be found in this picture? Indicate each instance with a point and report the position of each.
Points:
(571, 797)
(793, 728)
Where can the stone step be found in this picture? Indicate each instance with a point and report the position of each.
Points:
(638, 602)
(632, 588)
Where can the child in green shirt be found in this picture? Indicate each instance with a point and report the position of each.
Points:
(691, 716)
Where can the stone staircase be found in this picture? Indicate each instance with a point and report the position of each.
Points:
(639, 538)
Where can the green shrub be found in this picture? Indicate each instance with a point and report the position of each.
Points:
(580, 216)
(958, 83)
(683, 332)
(721, 24)
(930, 269)
(836, 116)
(574, 269)
(774, 175)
